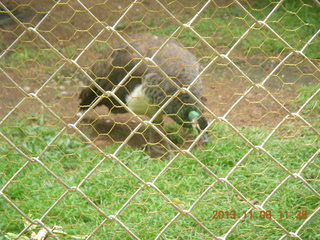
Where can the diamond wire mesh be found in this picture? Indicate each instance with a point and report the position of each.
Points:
(121, 192)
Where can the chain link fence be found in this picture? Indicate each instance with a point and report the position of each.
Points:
(66, 175)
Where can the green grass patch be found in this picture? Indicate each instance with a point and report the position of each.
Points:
(25, 55)
(305, 92)
(295, 21)
(34, 190)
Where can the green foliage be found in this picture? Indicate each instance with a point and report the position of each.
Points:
(26, 55)
(295, 21)
(22, 54)
(305, 92)
(35, 190)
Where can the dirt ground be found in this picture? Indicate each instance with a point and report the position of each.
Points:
(222, 89)
(223, 85)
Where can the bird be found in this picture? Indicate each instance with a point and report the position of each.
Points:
(147, 88)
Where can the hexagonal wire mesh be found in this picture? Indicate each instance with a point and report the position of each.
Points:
(155, 78)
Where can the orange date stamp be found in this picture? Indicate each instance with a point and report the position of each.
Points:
(232, 214)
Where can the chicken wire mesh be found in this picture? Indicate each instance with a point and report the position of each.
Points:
(250, 71)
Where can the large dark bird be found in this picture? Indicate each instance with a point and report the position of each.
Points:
(147, 88)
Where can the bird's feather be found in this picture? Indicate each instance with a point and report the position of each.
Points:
(148, 88)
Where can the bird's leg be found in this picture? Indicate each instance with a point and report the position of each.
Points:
(159, 146)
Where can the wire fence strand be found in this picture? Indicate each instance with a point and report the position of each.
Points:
(152, 184)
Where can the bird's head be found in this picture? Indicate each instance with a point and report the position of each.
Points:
(190, 116)
(199, 123)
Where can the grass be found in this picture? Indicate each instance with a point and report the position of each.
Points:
(295, 21)
(34, 190)
(305, 92)
(71, 158)
(23, 55)
(26, 55)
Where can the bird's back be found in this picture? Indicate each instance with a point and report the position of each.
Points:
(173, 63)
(177, 62)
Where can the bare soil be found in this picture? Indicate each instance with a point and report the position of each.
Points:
(255, 109)
(223, 85)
